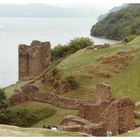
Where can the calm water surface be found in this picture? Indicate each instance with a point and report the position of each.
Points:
(15, 31)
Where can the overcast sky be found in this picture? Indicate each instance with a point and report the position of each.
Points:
(67, 2)
(105, 5)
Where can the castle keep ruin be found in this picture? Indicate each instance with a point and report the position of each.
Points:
(33, 59)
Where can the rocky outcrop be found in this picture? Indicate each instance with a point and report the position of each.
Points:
(33, 59)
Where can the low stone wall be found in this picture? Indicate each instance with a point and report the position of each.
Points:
(31, 93)
(78, 124)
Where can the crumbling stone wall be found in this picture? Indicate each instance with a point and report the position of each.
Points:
(31, 93)
(115, 115)
(110, 118)
(126, 115)
(119, 116)
(107, 114)
(78, 124)
(103, 93)
(92, 112)
(33, 59)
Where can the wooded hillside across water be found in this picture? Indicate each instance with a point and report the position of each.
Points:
(120, 24)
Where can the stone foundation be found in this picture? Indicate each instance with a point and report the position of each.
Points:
(78, 124)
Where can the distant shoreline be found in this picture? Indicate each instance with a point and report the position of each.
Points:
(105, 37)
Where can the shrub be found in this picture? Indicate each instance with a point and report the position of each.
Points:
(4, 119)
(59, 51)
(24, 117)
(58, 82)
(3, 99)
(74, 45)
(79, 43)
(130, 37)
(72, 83)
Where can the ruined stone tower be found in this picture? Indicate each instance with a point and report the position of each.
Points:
(33, 59)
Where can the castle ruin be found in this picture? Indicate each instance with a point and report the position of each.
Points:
(33, 59)
(107, 114)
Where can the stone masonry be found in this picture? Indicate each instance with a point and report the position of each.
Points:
(31, 93)
(107, 114)
(103, 93)
(33, 59)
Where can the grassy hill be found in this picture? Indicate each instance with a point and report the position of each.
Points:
(42, 110)
(84, 65)
(120, 24)
(118, 65)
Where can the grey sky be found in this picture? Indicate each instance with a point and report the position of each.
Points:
(105, 5)
(68, 2)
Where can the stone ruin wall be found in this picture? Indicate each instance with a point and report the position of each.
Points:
(31, 93)
(33, 59)
(92, 112)
(108, 114)
(77, 124)
(103, 93)
(126, 115)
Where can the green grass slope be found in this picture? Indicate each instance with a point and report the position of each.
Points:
(88, 72)
(8, 130)
(54, 119)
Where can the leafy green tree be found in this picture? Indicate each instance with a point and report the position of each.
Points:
(74, 45)
(3, 99)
